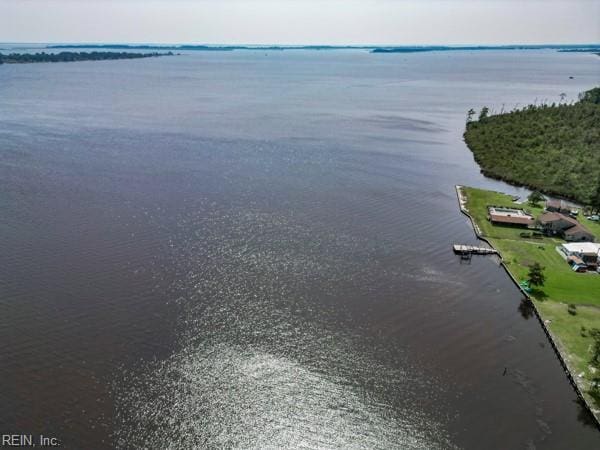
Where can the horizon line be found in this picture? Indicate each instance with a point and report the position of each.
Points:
(363, 45)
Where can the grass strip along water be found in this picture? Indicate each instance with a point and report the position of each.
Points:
(568, 303)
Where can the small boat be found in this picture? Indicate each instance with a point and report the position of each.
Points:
(525, 286)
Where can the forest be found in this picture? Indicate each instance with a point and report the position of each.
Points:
(554, 148)
(43, 57)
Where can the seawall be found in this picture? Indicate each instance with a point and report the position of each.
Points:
(563, 362)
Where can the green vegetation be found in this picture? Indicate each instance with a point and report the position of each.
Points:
(26, 58)
(595, 333)
(595, 200)
(535, 198)
(591, 96)
(569, 302)
(552, 148)
(536, 275)
(595, 382)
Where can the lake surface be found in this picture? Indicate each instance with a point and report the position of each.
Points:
(253, 250)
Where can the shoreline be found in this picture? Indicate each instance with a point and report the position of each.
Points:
(62, 57)
(568, 370)
(547, 192)
(554, 142)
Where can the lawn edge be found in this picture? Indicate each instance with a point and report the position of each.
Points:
(555, 342)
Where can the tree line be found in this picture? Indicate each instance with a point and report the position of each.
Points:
(26, 58)
(554, 148)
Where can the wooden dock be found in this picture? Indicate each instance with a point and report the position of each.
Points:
(468, 250)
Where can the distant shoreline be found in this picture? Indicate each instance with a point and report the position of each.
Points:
(583, 48)
(43, 57)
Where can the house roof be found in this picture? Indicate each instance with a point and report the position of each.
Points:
(578, 229)
(554, 217)
(521, 220)
(502, 214)
(582, 247)
(574, 227)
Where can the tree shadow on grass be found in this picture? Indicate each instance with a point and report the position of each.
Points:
(538, 294)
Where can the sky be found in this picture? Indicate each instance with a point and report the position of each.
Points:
(336, 22)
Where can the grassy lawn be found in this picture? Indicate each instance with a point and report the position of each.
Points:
(562, 287)
(594, 227)
(573, 342)
(562, 284)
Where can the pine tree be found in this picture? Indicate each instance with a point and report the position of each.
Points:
(484, 113)
(535, 198)
(536, 275)
(470, 115)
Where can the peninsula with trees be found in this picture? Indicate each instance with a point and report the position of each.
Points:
(43, 57)
(549, 247)
(553, 148)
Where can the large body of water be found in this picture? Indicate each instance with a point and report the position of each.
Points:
(253, 250)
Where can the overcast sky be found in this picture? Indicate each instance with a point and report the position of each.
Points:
(301, 21)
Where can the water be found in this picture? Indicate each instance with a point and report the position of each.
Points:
(252, 250)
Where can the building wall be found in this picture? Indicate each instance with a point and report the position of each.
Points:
(579, 237)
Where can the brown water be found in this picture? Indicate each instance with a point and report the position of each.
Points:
(252, 249)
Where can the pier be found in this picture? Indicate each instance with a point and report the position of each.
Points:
(467, 250)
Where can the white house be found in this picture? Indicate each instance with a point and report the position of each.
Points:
(588, 252)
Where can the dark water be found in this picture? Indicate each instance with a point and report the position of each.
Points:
(252, 250)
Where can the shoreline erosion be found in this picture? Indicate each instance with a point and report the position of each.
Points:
(462, 201)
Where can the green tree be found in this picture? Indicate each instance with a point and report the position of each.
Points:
(484, 113)
(470, 115)
(591, 96)
(553, 149)
(535, 198)
(536, 275)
